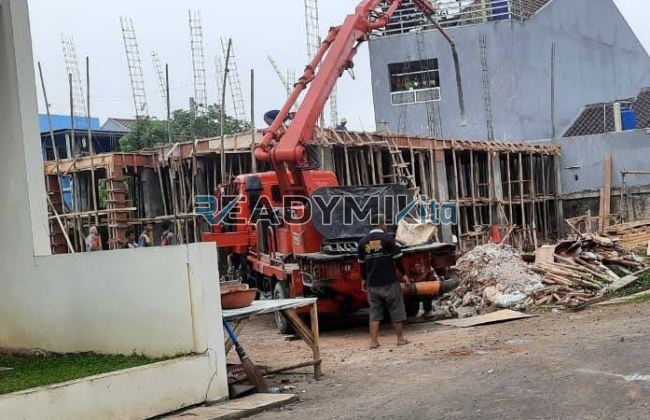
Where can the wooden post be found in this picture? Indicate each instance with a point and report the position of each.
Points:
(371, 155)
(533, 196)
(347, 165)
(512, 216)
(607, 192)
(453, 154)
(521, 196)
(380, 165)
(316, 335)
(91, 148)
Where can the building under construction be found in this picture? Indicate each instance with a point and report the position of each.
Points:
(512, 186)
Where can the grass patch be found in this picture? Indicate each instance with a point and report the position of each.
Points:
(34, 371)
(640, 299)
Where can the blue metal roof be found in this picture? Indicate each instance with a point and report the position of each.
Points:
(60, 122)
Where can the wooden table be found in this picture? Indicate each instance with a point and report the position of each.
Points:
(240, 317)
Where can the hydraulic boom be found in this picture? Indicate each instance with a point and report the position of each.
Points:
(287, 150)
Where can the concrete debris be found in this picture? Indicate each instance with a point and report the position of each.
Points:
(491, 275)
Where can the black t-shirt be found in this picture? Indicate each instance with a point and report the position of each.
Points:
(379, 254)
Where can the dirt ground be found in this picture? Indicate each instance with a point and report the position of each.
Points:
(589, 365)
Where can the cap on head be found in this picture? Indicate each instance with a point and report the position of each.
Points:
(344, 121)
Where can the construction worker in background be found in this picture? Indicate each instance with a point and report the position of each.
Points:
(146, 237)
(379, 255)
(93, 240)
(168, 236)
(270, 116)
(130, 239)
(342, 126)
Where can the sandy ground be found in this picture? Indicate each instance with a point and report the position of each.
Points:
(589, 365)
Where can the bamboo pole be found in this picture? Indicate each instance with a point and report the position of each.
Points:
(253, 133)
(223, 114)
(91, 147)
(58, 219)
(54, 145)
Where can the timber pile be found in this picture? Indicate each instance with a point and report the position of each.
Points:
(633, 236)
(583, 270)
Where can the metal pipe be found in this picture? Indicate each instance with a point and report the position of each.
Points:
(428, 11)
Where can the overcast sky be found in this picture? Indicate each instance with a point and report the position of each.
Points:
(274, 27)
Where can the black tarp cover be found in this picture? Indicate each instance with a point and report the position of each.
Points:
(367, 198)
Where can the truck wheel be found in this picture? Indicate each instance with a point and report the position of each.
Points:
(280, 292)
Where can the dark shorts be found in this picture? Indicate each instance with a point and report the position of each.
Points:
(388, 297)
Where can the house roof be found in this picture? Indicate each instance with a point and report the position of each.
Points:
(128, 124)
(599, 118)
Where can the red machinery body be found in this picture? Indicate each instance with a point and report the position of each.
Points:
(287, 259)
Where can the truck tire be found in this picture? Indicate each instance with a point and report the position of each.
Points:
(280, 292)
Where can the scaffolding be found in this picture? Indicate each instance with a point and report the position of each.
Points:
(239, 108)
(134, 64)
(160, 77)
(72, 68)
(511, 186)
(198, 62)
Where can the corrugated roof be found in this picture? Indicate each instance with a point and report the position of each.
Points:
(124, 122)
(599, 118)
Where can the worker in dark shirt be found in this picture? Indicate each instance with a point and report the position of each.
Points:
(342, 126)
(271, 115)
(379, 255)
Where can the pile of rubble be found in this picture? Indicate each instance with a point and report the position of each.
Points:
(491, 275)
(570, 274)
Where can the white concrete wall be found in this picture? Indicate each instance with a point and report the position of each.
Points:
(110, 302)
(111, 396)
(154, 301)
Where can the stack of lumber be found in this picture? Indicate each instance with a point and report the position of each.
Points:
(578, 272)
(633, 236)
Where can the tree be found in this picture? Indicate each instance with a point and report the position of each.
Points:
(185, 125)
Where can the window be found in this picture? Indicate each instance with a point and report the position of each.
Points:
(414, 82)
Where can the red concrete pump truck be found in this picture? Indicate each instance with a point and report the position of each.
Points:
(284, 257)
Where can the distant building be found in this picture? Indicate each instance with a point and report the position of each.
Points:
(507, 50)
(119, 125)
(64, 121)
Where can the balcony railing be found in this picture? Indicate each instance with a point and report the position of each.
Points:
(455, 13)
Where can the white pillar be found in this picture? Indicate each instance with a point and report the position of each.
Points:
(23, 223)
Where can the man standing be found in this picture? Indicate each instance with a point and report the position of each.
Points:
(379, 255)
(130, 239)
(342, 126)
(146, 237)
(168, 236)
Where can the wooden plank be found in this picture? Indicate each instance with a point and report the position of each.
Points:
(545, 254)
(499, 316)
(260, 307)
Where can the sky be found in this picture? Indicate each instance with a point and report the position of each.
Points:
(276, 29)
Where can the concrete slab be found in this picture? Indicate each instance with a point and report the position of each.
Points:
(236, 409)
